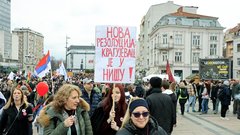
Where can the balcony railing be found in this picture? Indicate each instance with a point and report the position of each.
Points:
(162, 46)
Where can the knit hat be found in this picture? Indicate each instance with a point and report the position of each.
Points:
(136, 103)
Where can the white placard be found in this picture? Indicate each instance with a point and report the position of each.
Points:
(115, 54)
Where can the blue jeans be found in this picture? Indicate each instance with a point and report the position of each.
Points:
(191, 100)
(217, 105)
(205, 105)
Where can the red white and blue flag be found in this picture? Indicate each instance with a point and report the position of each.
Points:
(43, 66)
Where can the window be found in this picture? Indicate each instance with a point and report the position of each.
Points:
(196, 40)
(213, 38)
(164, 38)
(164, 56)
(178, 21)
(178, 39)
(213, 24)
(195, 57)
(238, 61)
(213, 49)
(195, 23)
(178, 56)
(238, 47)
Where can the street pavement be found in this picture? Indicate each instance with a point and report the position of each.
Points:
(192, 123)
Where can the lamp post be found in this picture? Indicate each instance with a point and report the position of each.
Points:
(66, 50)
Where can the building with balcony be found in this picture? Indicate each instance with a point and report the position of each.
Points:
(181, 36)
(31, 47)
(80, 58)
(232, 40)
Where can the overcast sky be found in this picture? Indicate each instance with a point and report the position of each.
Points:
(77, 18)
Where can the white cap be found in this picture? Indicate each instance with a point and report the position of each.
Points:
(226, 82)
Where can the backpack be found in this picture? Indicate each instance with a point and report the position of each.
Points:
(183, 93)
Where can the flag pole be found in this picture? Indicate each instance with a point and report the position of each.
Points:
(52, 82)
(113, 99)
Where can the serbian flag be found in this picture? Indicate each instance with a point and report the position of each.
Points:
(169, 73)
(43, 66)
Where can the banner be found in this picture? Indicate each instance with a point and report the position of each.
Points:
(214, 69)
(169, 73)
(115, 54)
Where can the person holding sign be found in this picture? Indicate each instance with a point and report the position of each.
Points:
(107, 118)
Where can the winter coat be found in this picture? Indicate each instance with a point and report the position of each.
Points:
(227, 96)
(131, 129)
(105, 127)
(236, 91)
(174, 100)
(161, 108)
(93, 101)
(53, 122)
(21, 125)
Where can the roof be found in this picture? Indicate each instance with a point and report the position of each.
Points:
(235, 29)
(181, 13)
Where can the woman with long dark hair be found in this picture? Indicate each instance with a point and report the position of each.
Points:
(106, 119)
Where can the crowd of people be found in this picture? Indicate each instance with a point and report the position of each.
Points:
(81, 106)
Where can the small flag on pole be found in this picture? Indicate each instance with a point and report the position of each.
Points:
(62, 71)
(11, 76)
(43, 66)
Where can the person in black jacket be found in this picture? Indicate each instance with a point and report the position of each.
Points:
(17, 115)
(225, 102)
(160, 105)
(166, 90)
(137, 120)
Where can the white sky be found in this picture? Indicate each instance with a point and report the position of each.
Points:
(77, 18)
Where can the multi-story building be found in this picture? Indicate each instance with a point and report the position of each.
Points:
(5, 31)
(80, 58)
(31, 47)
(181, 36)
(232, 40)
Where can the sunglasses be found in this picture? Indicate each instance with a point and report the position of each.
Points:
(138, 114)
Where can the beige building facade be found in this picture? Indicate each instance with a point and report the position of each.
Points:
(30, 47)
(178, 34)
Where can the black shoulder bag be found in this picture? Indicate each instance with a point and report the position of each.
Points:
(5, 132)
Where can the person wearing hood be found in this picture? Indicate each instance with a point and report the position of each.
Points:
(137, 120)
(67, 114)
